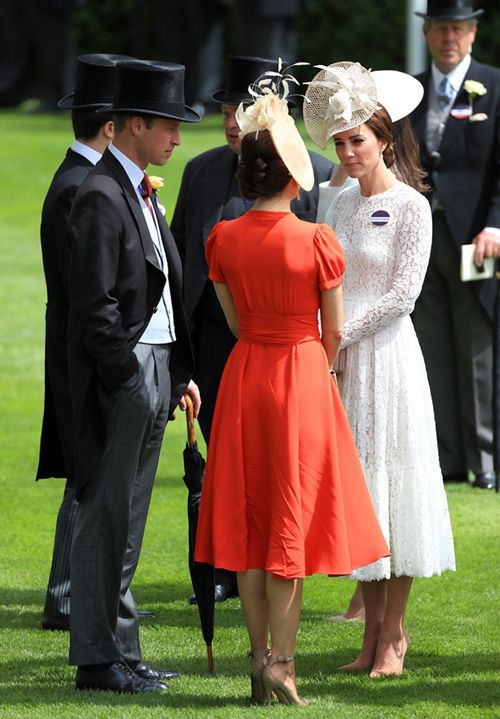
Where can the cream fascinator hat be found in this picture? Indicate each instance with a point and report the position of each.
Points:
(345, 95)
(269, 111)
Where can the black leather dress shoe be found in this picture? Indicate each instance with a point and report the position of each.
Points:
(117, 677)
(458, 477)
(145, 614)
(221, 593)
(150, 673)
(225, 591)
(59, 624)
(485, 480)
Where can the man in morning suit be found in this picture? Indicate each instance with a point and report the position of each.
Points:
(130, 362)
(209, 193)
(459, 135)
(93, 131)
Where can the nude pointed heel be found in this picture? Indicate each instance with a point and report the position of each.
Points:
(259, 694)
(283, 692)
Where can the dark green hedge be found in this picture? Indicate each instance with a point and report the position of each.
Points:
(372, 32)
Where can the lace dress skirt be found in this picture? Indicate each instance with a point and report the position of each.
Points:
(389, 406)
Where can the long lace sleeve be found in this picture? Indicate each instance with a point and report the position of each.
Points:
(412, 242)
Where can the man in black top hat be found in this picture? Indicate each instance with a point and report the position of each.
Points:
(94, 89)
(458, 129)
(209, 193)
(130, 362)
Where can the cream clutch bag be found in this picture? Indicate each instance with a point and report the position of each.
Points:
(469, 271)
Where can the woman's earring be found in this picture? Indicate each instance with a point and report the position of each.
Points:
(298, 194)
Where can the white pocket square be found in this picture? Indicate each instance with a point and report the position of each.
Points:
(478, 117)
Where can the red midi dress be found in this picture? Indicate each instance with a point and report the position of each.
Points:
(283, 489)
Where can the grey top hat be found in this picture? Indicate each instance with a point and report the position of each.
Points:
(95, 82)
(242, 71)
(151, 88)
(450, 10)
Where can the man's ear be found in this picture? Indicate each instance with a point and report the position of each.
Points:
(136, 124)
(108, 130)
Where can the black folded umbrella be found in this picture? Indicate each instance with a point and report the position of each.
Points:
(202, 575)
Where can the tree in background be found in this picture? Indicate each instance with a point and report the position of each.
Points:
(370, 31)
(373, 32)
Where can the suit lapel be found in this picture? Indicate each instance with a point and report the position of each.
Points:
(135, 208)
(455, 127)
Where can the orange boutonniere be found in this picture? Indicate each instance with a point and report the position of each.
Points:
(156, 182)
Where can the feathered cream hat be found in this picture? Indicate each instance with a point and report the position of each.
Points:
(345, 95)
(269, 111)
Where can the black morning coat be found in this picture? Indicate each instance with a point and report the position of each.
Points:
(115, 285)
(466, 173)
(56, 442)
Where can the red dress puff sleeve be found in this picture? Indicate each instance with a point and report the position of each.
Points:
(329, 257)
(211, 253)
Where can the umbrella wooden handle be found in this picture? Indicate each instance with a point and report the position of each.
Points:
(210, 659)
(191, 433)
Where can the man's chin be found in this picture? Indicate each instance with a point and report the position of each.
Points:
(235, 146)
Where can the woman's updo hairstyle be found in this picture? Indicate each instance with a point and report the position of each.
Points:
(261, 171)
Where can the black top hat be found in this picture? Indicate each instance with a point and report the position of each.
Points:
(151, 88)
(242, 72)
(95, 82)
(449, 10)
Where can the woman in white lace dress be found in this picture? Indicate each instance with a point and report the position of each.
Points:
(384, 227)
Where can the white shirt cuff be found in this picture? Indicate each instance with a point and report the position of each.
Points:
(493, 230)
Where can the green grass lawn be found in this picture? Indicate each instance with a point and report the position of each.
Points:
(452, 664)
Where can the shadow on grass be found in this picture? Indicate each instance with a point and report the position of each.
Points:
(168, 601)
(49, 681)
(462, 679)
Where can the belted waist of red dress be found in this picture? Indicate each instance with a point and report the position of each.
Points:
(265, 329)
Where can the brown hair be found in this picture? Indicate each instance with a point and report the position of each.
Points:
(407, 167)
(401, 151)
(120, 121)
(261, 171)
(87, 123)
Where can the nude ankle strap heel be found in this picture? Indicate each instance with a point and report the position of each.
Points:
(283, 692)
(259, 694)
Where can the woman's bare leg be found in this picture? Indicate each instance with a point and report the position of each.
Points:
(285, 598)
(375, 597)
(355, 612)
(252, 591)
(393, 640)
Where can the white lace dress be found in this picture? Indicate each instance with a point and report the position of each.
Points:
(384, 383)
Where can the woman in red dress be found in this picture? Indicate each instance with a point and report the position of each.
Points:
(284, 494)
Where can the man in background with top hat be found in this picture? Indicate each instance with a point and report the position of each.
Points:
(209, 193)
(130, 362)
(458, 129)
(93, 131)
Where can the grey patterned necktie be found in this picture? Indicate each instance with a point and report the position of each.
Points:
(445, 93)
